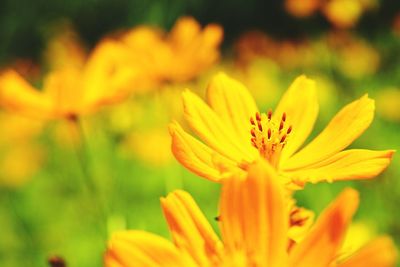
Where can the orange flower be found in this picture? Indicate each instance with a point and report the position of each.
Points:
(179, 56)
(236, 134)
(254, 226)
(302, 8)
(70, 91)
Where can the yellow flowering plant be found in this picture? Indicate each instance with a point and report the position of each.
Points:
(178, 56)
(254, 223)
(71, 91)
(236, 134)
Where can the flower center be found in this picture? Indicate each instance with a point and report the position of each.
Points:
(269, 136)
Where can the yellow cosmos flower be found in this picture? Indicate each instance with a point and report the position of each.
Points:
(388, 103)
(69, 91)
(178, 56)
(254, 226)
(21, 156)
(343, 13)
(64, 49)
(236, 134)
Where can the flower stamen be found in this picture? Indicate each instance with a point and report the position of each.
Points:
(269, 136)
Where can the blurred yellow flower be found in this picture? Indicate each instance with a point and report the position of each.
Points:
(358, 59)
(21, 156)
(64, 49)
(388, 103)
(254, 227)
(343, 13)
(70, 91)
(259, 74)
(156, 140)
(288, 54)
(302, 8)
(236, 134)
(178, 56)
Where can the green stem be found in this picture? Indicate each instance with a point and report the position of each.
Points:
(82, 153)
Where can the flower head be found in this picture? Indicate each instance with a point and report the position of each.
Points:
(236, 134)
(178, 56)
(254, 223)
(71, 90)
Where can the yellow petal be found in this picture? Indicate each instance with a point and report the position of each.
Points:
(138, 248)
(212, 37)
(254, 216)
(184, 31)
(300, 104)
(323, 242)
(194, 155)
(108, 76)
(190, 230)
(19, 96)
(215, 132)
(346, 165)
(64, 88)
(234, 104)
(343, 129)
(378, 253)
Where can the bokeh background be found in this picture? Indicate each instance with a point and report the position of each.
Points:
(47, 205)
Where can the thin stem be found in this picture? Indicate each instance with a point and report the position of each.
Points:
(82, 155)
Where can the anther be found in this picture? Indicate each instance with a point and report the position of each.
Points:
(253, 132)
(269, 133)
(283, 138)
(258, 116)
(289, 130)
(284, 116)
(269, 114)
(253, 142)
(252, 121)
(259, 126)
(281, 126)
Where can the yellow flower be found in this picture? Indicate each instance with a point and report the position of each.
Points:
(343, 13)
(288, 54)
(178, 56)
(71, 91)
(388, 103)
(64, 49)
(254, 225)
(21, 156)
(236, 134)
(156, 140)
